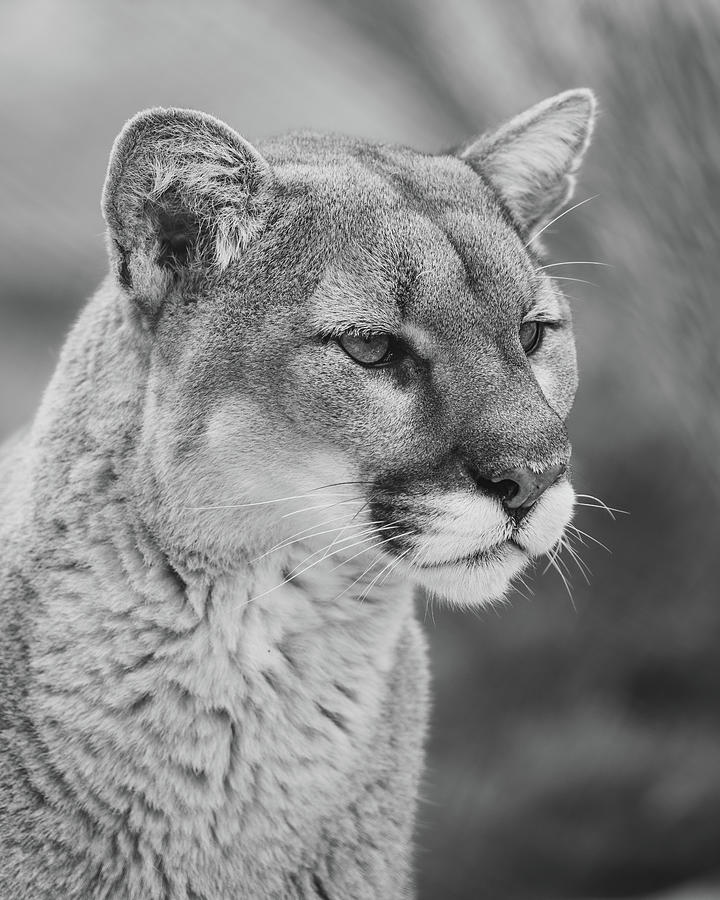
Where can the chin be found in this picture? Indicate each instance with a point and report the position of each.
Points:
(474, 581)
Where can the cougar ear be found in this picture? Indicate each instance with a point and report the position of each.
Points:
(533, 158)
(184, 194)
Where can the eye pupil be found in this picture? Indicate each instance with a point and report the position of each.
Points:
(368, 350)
(530, 336)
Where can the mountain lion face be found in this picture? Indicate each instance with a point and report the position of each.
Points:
(353, 352)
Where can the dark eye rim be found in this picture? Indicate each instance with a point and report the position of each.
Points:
(392, 354)
(537, 340)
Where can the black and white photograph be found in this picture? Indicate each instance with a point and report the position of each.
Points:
(360, 450)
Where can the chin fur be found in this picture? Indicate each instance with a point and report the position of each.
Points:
(474, 583)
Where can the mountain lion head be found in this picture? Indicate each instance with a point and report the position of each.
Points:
(352, 350)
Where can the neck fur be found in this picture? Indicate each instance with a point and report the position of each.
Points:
(176, 695)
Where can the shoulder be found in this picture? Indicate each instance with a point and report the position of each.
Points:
(14, 465)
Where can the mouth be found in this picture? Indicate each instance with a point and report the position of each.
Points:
(497, 553)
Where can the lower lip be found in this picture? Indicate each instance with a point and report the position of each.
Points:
(494, 554)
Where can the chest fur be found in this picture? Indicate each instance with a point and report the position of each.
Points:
(211, 732)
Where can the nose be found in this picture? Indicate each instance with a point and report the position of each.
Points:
(519, 488)
(522, 486)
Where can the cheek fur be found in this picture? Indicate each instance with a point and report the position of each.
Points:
(555, 370)
(249, 479)
(363, 413)
(547, 379)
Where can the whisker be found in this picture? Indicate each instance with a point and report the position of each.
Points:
(551, 554)
(554, 563)
(287, 580)
(391, 565)
(600, 504)
(560, 561)
(570, 540)
(527, 596)
(372, 532)
(574, 262)
(523, 593)
(427, 605)
(377, 559)
(584, 534)
(297, 512)
(256, 502)
(577, 537)
(352, 519)
(324, 550)
(392, 537)
(420, 556)
(315, 534)
(398, 560)
(302, 535)
(374, 522)
(340, 483)
(310, 493)
(552, 221)
(608, 510)
(295, 573)
(579, 562)
(286, 541)
(579, 280)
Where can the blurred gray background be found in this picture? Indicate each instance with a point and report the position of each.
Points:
(575, 746)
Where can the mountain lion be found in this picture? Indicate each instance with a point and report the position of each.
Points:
(317, 374)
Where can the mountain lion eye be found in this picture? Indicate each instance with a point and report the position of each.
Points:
(368, 350)
(531, 334)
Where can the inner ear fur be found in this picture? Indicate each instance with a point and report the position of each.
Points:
(532, 159)
(184, 193)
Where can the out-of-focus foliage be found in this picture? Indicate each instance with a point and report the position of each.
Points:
(575, 747)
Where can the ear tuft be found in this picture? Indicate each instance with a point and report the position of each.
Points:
(183, 193)
(532, 159)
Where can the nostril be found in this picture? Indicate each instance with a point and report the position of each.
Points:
(531, 484)
(504, 489)
(517, 489)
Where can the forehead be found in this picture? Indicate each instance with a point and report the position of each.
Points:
(409, 236)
